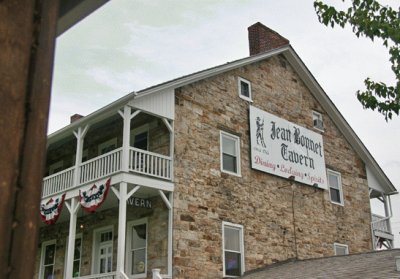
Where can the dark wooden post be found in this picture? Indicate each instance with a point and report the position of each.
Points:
(27, 39)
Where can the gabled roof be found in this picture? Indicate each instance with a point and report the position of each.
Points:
(376, 264)
(300, 68)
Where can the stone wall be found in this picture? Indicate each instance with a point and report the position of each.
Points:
(282, 219)
(157, 252)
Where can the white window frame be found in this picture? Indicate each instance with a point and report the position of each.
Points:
(317, 116)
(78, 235)
(241, 244)
(105, 144)
(339, 176)
(95, 249)
(44, 245)
(237, 145)
(137, 131)
(336, 245)
(128, 254)
(240, 80)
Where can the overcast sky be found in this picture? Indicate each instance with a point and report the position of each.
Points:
(128, 45)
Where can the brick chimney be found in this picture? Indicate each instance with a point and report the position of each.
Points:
(262, 39)
(75, 117)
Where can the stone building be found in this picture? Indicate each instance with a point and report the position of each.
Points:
(206, 176)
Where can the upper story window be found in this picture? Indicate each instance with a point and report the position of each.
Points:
(317, 121)
(107, 146)
(140, 137)
(244, 89)
(233, 249)
(341, 249)
(230, 153)
(335, 187)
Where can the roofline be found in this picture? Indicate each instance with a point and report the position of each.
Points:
(340, 121)
(307, 77)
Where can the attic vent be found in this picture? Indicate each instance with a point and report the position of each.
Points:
(317, 121)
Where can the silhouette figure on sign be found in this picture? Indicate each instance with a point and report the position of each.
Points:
(260, 131)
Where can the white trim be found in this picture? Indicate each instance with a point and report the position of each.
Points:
(77, 236)
(336, 245)
(128, 262)
(237, 146)
(95, 247)
(241, 243)
(316, 116)
(44, 245)
(240, 80)
(339, 177)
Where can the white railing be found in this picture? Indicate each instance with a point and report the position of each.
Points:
(101, 166)
(109, 275)
(58, 182)
(149, 163)
(380, 223)
(140, 161)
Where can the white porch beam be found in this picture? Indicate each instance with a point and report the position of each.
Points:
(80, 136)
(123, 186)
(170, 230)
(170, 127)
(165, 199)
(116, 192)
(131, 192)
(73, 207)
(127, 116)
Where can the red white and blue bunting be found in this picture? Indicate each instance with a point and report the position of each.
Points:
(50, 211)
(93, 197)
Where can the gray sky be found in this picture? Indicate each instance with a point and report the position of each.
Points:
(128, 45)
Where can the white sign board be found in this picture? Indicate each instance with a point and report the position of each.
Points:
(285, 149)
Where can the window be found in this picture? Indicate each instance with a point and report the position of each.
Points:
(340, 249)
(103, 250)
(233, 249)
(230, 153)
(335, 187)
(56, 167)
(317, 121)
(47, 260)
(140, 137)
(107, 146)
(137, 248)
(244, 89)
(76, 268)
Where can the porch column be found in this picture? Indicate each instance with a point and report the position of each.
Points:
(388, 211)
(127, 117)
(73, 207)
(170, 127)
(80, 136)
(123, 196)
(169, 203)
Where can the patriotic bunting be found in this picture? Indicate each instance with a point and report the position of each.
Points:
(50, 211)
(92, 198)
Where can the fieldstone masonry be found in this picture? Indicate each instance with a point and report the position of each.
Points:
(282, 219)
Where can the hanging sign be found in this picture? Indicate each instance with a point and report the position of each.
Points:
(285, 149)
(93, 197)
(50, 211)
